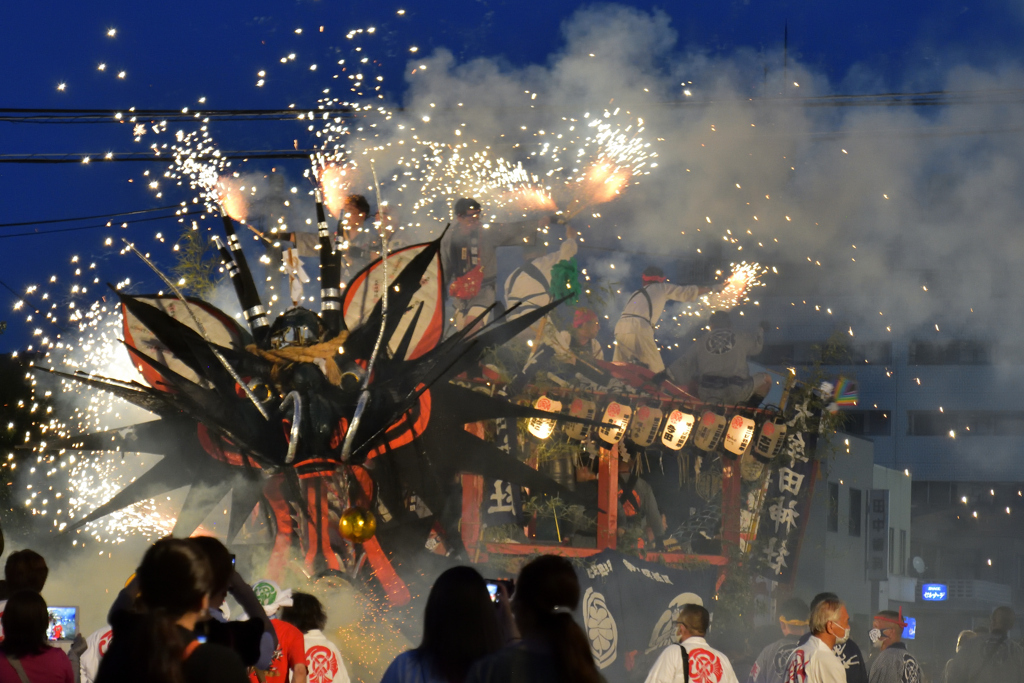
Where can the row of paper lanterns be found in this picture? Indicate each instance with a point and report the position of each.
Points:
(644, 426)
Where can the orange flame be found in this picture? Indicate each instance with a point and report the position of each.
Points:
(335, 182)
(606, 182)
(231, 199)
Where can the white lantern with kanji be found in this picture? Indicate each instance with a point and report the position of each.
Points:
(709, 430)
(677, 429)
(740, 435)
(580, 408)
(646, 423)
(770, 441)
(542, 427)
(616, 417)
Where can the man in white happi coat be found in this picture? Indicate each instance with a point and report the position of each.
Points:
(634, 333)
(692, 660)
(813, 661)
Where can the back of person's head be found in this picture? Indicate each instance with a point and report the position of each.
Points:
(719, 319)
(358, 203)
(1002, 620)
(794, 610)
(175, 579)
(964, 637)
(695, 618)
(464, 205)
(891, 619)
(26, 570)
(460, 623)
(220, 558)
(816, 600)
(822, 612)
(306, 613)
(24, 622)
(547, 591)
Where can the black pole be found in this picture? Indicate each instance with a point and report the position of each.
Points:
(245, 287)
(330, 273)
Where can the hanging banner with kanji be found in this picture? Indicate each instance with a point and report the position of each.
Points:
(628, 609)
(788, 497)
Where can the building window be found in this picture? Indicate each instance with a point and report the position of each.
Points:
(955, 352)
(855, 513)
(892, 550)
(833, 507)
(866, 423)
(965, 423)
(902, 569)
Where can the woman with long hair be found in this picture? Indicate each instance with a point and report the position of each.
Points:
(156, 642)
(460, 625)
(553, 649)
(25, 620)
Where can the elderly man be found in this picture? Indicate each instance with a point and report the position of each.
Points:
(893, 664)
(813, 661)
(692, 659)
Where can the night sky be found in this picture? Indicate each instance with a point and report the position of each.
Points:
(174, 53)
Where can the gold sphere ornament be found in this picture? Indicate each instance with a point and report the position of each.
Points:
(357, 525)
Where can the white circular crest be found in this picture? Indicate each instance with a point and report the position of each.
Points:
(601, 629)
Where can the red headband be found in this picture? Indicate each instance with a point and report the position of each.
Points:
(583, 316)
(900, 623)
(648, 279)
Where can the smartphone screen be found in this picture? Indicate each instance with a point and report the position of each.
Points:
(492, 589)
(63, 623)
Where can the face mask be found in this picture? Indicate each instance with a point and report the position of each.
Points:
(876, 637)
(845, 637)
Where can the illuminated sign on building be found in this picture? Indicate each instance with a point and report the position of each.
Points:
(934, 592)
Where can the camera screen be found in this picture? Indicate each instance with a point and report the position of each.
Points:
(63, 623)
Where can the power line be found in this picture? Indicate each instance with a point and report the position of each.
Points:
(89, 218)
(87, 227)
(108, 157)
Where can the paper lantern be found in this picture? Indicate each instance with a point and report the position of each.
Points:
(677, 429)
(542, 427)
(584, 409)
(616, 417)
(646, 423)
(740, 435)
(357, 525)
(709, 430)
(770, 441)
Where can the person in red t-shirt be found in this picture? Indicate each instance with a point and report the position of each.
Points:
(290, 656)
(291, 648)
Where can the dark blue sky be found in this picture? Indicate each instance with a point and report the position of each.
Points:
(173, 53)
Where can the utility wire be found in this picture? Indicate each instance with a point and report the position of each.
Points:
(102, 157)
(85, 227)
(89, 218)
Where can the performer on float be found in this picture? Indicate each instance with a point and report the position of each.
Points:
(529, 285)
(470, 260)
(634, 332)
(717, 364)
(582, 341)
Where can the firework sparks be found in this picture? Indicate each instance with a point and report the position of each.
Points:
(743, 278)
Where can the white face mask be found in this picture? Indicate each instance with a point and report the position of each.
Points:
(845, 637)
(876, 637)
